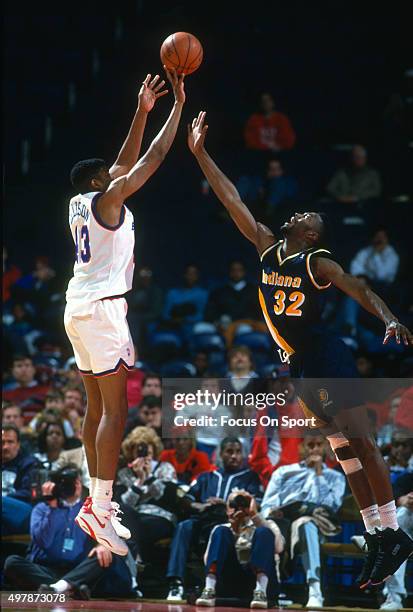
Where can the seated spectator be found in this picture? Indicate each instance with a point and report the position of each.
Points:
(63, 558)
(268, 129)
(41, 288)
(134, 384)
(404, 414)
(148, 413)
(201, 363)
(379, 262)
(322, 490)
(399, 455)
(51, 441)
(241, 556)
(146, 489)
(385, 433)
(24, 388)
(53, 405)
(206, 499)
(187, 461)
(21, 330)
(358, 182)
(186, 304)
(145, 303)
(234, 303)
(73, 399)
(240, 372)
(11, 274)
(13, 413)
(152, 385)
(270, 448)
(17, 474)
(270, 190)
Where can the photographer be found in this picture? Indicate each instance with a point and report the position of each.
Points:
(61, 558)
(148, 492)
(307, 495)
(206, 500)
(242, 554)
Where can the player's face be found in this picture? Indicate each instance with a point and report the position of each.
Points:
(300, 223)
(103, 179)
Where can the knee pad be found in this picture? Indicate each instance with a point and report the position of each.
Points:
(338, 441)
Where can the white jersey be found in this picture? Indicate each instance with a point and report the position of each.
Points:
(104, 260)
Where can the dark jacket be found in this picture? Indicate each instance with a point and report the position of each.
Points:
(220, 484)
(17, 476)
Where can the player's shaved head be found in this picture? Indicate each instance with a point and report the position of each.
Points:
(306, 226)
(84, 171)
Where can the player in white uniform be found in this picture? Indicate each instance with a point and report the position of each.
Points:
(95, 316)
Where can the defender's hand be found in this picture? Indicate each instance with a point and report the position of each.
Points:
(396, 329)
(197, 132)
(150, 92)
(177, 83)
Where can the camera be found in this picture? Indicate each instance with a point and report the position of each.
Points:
(142, 450)
(64, 480)
(240, 502)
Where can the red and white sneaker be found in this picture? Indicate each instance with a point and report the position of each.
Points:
(97, 523)
(121, 530)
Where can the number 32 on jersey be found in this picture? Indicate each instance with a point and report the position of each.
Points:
(82, 244)
(296, 299)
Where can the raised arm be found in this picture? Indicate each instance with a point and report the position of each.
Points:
(224, 189)
(129, 153)
(330, 271)
(122, 187)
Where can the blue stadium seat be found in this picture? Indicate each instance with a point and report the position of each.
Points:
(166, 338)
(176, 369)
(256, 341)
(207, 342)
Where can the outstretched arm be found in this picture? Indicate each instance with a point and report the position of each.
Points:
(224, 189)
(129, 153)
(122, 187)
(330, 271)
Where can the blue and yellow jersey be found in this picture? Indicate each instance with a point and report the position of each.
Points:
(290, 296)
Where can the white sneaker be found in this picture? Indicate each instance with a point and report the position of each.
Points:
(121, 530)
(176, 593)
(393, 602)
(207, 598)
(97, 523)
(314, 601)
(259, 600)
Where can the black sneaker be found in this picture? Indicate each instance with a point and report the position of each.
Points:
(394, 548)
(372, 548)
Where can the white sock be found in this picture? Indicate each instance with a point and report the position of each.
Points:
(103, 493)
(210, 581)
(262, 582)
(371, 518)
(60, 586)
(388, 517)
(92, 487)
(314, 588)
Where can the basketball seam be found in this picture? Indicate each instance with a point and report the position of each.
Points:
(187, 53)
(176, 51)
(196, 58)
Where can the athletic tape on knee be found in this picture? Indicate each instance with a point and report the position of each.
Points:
(351, 465)
(338, 440)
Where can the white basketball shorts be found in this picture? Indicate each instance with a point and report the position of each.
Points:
(101, 339)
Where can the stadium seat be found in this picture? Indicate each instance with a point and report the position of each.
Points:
(207, 342)
(165, 338)
(176, 369)
(256, 341)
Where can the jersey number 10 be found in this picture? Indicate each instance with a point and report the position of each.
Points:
(82, 244)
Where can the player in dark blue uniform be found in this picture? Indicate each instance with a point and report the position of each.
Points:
(296, 271)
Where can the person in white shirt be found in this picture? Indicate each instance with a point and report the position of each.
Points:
(95, 317)
(378, 262)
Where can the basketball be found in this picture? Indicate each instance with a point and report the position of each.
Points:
(182, 51)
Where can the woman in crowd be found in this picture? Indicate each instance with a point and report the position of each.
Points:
(147, 490)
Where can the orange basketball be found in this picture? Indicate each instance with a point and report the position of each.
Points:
(182, 51)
